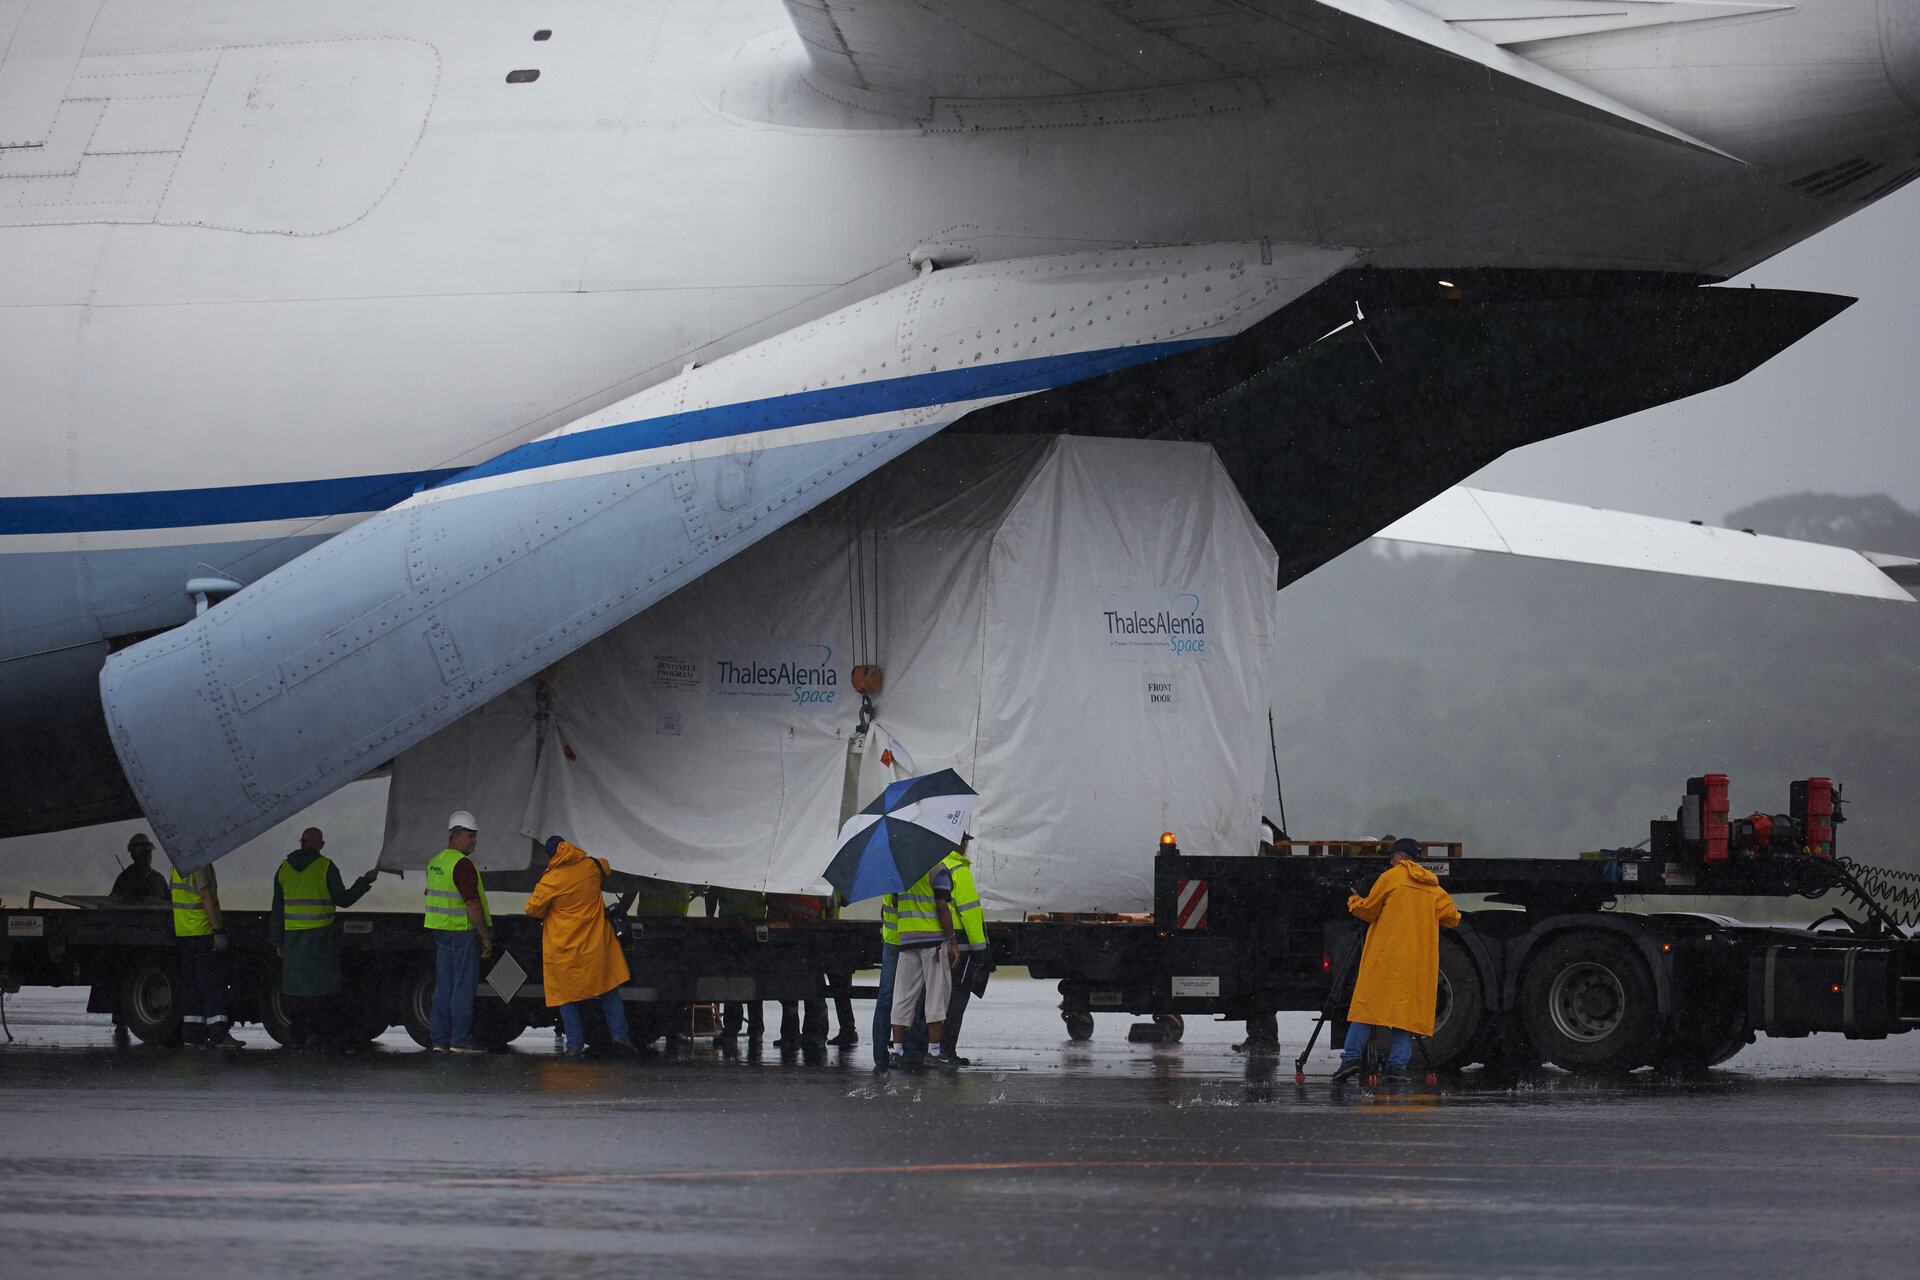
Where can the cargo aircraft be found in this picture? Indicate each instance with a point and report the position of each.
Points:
(360, 360)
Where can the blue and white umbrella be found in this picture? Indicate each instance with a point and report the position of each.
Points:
(898, 838)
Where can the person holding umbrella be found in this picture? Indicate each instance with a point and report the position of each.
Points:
(923, 919)
(895, 848)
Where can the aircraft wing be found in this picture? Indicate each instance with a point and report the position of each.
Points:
(1480, 520)
(1023, 49)
(392, 630)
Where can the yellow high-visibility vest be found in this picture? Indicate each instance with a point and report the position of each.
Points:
(445, 909)
(913, 912)
(189, 914)
(662, 898)
(306, 901)
(966, 903)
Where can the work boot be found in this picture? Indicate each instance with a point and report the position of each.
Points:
(626, 1044)
(846, 1039)
(223, 1039)
(1257, 1046)
(1349, 1071)
(121, 1037)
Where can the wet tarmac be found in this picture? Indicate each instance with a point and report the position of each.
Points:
(1045, 1158)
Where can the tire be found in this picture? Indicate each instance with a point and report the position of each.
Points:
(1172, 1027)
(362, 1022)
(1079, 1025)
(1709, 1037)
(495, 1026)
(149, 999)
(1459, 1012)
(416, 1007)
(1588, 1003)
(273, 1010)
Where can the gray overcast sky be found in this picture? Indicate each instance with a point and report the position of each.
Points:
(1834, 413)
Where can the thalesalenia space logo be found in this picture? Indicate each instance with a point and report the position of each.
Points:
(1152, 624)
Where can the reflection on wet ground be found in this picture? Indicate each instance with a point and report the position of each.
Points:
(1046, 1157)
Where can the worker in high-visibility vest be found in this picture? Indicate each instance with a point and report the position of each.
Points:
(915, 1045)
(200, 931)
(306, 889)
(928, 952)
(461, 922)
(970, 975)
(797, 1032)
(661, 897)
(668, 898)
(738, 904)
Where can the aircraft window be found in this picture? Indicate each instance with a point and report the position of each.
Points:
(522, 77)
(543, 34)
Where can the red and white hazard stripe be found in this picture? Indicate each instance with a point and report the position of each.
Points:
(1190, 910)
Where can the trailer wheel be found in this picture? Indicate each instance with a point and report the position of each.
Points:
(150, 1001)
(1459, 1009)
(416, 1005)
(1079, 1025)
(1172, 1027)
(1588, 1002)
(362, 1022)
(273, 1010)
(495, 1026)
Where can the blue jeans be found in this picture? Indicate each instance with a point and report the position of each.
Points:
(1358, 1033)
(915, 1043)
(616, 1014)
(456, 971)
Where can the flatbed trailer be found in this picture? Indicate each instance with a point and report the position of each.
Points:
(1550, 971)
(127, 956)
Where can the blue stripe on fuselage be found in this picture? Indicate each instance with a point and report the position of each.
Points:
(888, 395)
(230, 504)
(304, 499)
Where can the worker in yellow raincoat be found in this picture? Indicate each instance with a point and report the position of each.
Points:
(1400, 967)
(580, 955)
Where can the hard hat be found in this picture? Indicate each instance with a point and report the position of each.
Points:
(462, 818)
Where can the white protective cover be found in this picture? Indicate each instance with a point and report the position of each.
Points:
(1082, 628)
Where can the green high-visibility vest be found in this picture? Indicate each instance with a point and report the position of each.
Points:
(889, 926)
(662, 898)
(445, 909)
(189, 917)
(305, 900)
(739, 904)
(913, 912)
(966, 902)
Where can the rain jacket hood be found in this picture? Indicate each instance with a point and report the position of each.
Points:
(580, 956)
(1400, 966)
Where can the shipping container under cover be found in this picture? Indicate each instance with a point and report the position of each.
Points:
(1082, 628)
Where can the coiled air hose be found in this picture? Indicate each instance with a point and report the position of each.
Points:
(1895, 894)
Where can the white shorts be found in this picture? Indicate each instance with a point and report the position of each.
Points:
(921, 969)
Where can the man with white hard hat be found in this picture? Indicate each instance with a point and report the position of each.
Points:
(462, 926)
